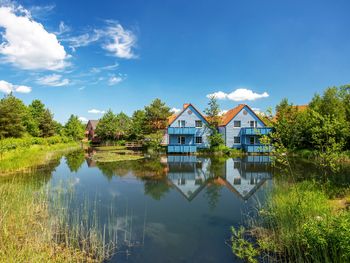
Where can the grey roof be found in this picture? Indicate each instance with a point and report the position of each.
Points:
(93, 123)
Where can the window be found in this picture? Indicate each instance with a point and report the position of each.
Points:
(181, 123)
(199, 140)
(181, 140)
(236, 139)
(253, 124)
(198, 124)
(236, 123)
(237, 165)
(252, 140)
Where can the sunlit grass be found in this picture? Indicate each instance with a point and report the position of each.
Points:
(23, 159)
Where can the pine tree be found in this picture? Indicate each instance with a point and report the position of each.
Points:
(74, 128)
(12, 115)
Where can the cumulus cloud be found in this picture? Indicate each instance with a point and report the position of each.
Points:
(175, 110)
(53, 80)
(7, 87)
(83, 119)
(239, 95)
(95, 111)
(26, 43)
(114, 80)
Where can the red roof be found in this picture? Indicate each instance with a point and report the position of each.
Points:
(173, 117)
(228, 116)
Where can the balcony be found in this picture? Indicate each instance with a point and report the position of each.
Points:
(256, 130)
(257, 148)
(182, 148)
(181, 131)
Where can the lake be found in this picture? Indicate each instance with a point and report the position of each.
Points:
(166, 209)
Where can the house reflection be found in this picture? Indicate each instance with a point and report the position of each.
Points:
(191, 174)
(188, 174)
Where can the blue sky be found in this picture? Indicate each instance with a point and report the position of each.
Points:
(81, 56)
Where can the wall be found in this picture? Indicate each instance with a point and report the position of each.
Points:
(231, 131)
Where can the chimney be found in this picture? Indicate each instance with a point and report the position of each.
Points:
(186, 105)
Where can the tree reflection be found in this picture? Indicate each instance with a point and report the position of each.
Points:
(74, 160)
(156, 188)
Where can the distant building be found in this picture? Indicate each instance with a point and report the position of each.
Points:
(90, 129)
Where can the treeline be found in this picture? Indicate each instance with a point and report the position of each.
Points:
(322, 125)
(18, 120)
(146, 123)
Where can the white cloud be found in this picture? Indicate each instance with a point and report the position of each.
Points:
(7, 87)
(219, 95)
(223, 112)
(108, 67)
(239, 95)
(175, 110)
(95, 111)
(63, 28)
(26, 44)
(120, 42)
(83, 119)
(82, 40)
(114, 80)
(53, 80)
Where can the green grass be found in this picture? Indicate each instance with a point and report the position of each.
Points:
(112, 156)
(300, 224)
(24, 159)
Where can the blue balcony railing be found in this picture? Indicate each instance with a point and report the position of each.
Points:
(257, 148)
(256, 130)
(184, 130)
(182, 148)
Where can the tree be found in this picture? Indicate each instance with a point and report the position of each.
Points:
(46, 124)
(12, 115)
(123, 124)
(156, 115)
(138, 123)
(74, 128)
(36, 111)
(107, 126)
(212, 112)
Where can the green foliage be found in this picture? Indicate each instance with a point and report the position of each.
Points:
(46, 124)
(212, 112)
(74, 128)
(74, 160)
(107, 126)
(299, 221)
(156, 116)
(138, 125)
(153, 141)
(242, 247)
(12, 116)
(123, 124)
(215, 139)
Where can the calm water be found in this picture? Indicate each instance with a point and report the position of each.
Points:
(171, 209)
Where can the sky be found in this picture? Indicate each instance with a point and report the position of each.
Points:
(85, 57)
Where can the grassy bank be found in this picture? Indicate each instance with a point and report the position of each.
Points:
(19, 155)
(299, 223)
(106, 154)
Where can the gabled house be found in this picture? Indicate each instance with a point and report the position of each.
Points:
(241, 128)
(90, 129)
(187, 131)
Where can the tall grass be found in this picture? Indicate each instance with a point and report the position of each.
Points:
(26, 158)
(298, 223)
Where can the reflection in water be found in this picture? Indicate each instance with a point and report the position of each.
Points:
(191, 174)
(154, 210)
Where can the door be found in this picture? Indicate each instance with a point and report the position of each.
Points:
(252, 140)
(181, 140)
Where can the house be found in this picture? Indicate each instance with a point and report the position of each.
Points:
(241, 128)
(187, 131)
(90, 129)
